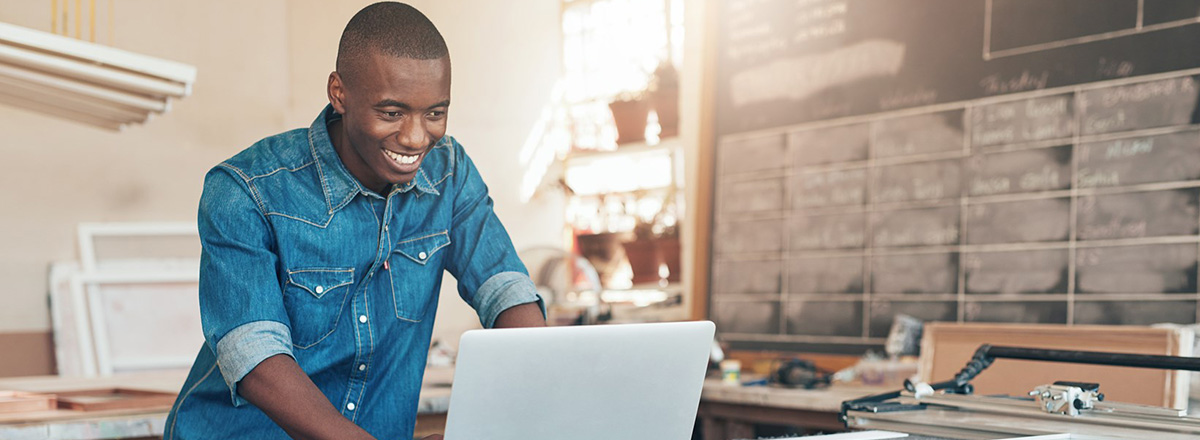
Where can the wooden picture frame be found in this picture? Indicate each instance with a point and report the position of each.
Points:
(21, 401)
(114, 398)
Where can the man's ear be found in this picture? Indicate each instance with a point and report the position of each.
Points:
(337, 93)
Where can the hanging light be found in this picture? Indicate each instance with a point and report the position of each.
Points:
(86, 82)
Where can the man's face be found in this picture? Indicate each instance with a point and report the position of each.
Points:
(393, 111)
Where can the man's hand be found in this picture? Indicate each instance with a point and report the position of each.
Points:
(524, 315)
(432, 437)
(285, 393)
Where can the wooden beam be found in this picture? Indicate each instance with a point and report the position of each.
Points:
(703, 212)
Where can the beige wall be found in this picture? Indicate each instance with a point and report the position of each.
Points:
(262, 69)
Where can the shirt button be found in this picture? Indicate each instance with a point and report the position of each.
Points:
(350, 406)
(421, 256)
(362, 367)
(362, 319)
(320, 289)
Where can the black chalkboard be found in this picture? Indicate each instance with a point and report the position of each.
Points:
(1028, 161)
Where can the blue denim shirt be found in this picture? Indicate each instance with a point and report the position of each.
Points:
(300, 259)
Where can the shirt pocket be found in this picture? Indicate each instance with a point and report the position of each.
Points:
(416, 269)
(313, 298)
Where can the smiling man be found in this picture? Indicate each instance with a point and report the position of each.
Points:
(324, 247)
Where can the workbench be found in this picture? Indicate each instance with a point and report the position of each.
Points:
(144, 423)
(731, 411)
(726, 411)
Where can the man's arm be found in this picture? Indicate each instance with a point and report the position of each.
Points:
(282, 390)
(524, 315)
(491, 278)
(245, 322)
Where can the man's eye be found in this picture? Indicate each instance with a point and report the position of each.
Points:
(392, 114)
(437, 114)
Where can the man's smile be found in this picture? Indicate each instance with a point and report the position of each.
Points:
(402, 159)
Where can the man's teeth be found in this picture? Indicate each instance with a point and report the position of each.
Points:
(404, 159)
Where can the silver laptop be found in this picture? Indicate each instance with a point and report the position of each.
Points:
(627, 382)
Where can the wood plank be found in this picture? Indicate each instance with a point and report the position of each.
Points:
(705, 159)
(822, 400)
(20, 401)
(114, 398)
(752, 414)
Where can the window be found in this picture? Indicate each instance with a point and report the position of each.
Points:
(611, 49)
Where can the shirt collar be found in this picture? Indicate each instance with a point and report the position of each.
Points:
(420, 182)
(336, 181)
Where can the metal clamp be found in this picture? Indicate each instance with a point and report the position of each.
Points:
(1066, 398)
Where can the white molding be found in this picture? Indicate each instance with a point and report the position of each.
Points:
(170, 70)
(86, 82)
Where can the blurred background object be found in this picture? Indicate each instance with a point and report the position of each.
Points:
(86, 82)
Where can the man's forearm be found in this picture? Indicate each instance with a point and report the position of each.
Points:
(524, 315)
(285, 393)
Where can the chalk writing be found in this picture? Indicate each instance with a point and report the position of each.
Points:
(996, 84)
(1024, 121)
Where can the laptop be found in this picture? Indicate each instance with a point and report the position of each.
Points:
(628, 382)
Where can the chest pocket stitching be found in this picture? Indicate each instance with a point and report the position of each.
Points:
(302, 220)
(429, 244)
(325, 279)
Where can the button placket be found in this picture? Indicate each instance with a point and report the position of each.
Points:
(364, 347)
(385, 238)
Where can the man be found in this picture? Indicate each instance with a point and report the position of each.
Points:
(324, 250)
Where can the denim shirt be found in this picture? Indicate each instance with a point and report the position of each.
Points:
(300, 259)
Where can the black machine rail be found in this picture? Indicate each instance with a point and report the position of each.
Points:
(1092, 358)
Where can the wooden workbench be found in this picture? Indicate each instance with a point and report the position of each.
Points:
(149, 422)
(726, 411)
(731, 411)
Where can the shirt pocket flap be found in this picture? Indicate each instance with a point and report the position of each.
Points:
(318, 282)
(421, 249)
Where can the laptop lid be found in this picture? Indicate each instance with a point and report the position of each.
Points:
(629, 382)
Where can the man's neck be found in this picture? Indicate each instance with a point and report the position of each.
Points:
(350, 158)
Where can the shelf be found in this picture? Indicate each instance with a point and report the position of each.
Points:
(635, 191)
(640, 298)
(670, 287)
(631, 168)
(667, 146)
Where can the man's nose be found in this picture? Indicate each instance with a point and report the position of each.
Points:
(413, 134)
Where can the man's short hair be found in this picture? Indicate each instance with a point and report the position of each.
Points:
(391, 28)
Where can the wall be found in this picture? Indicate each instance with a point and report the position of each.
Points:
(262, 69)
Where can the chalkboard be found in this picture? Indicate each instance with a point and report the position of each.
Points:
(1010, 273)
(1028, 161)
(783, 62)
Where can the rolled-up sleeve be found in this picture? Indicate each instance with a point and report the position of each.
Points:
(491, 278)
(241, 305)
(503, 291)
